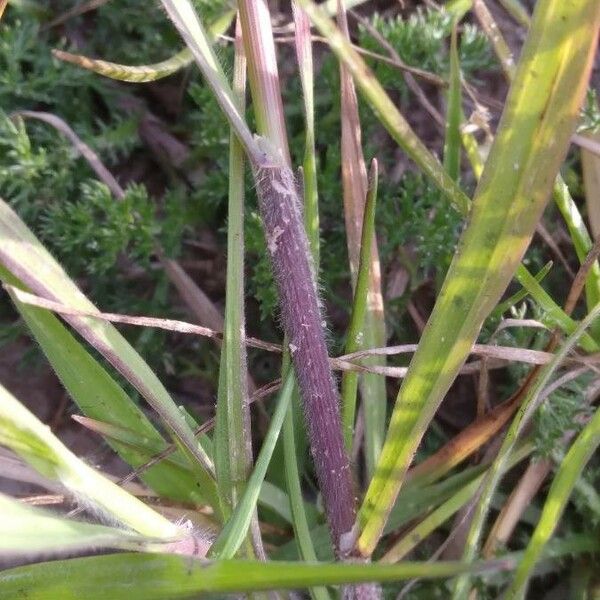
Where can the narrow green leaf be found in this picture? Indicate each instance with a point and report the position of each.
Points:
(355, 183)
(355, 334)
(385, 109)
(520, 295)
(233, 443)
(299, 520)
(554, 315)
(452, 143)
(446, 509)
(129, 73)
(145, 73)
(581, 239)
(236, 529)
(156, 577)
(570, 469)
(309, 164)
(527, 408)
(191, 29)
(517, 11)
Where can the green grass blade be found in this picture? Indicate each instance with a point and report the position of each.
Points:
(236, 529)
(355, 183)
(372, 387)
(299, 520)
(554, 315)
(517, 11)
(191, 29)
(521, 294)
(28, 437)
(29, 531)
(233, 459)
(356, 330)
(385, 109)
(527, 408)
(309, 164)
(452, 143)
(25, 257)
(442, 513)
(79, 372)
(542, 107)
(129, 73)
(156, 577)
(581, 239)
(494, 35)
(562, 486)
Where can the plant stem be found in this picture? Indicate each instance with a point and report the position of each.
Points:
(288, 247)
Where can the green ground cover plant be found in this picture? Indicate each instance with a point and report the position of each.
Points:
(282, 261)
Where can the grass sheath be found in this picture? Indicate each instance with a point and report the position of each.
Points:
(294, 272)
(288, 246)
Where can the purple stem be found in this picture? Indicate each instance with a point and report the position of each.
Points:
(302, 321)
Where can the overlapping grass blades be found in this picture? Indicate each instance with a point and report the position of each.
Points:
(24, 258)
(28, 437)
(531, 142)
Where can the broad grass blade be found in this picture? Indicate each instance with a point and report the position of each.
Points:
(155, 577)
(531, 143)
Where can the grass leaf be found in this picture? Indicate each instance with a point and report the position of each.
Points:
(25, 435)
(570, 469)
(232, 536)
(529, 405)
(542, 107)
(25, 257)
(145, 577)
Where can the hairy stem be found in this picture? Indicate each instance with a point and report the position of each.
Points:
(301, 315)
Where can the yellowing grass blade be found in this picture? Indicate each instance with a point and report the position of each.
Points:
(532, 140)
(569, 472)
(28, 531)
(144, 73)
(28, 437)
